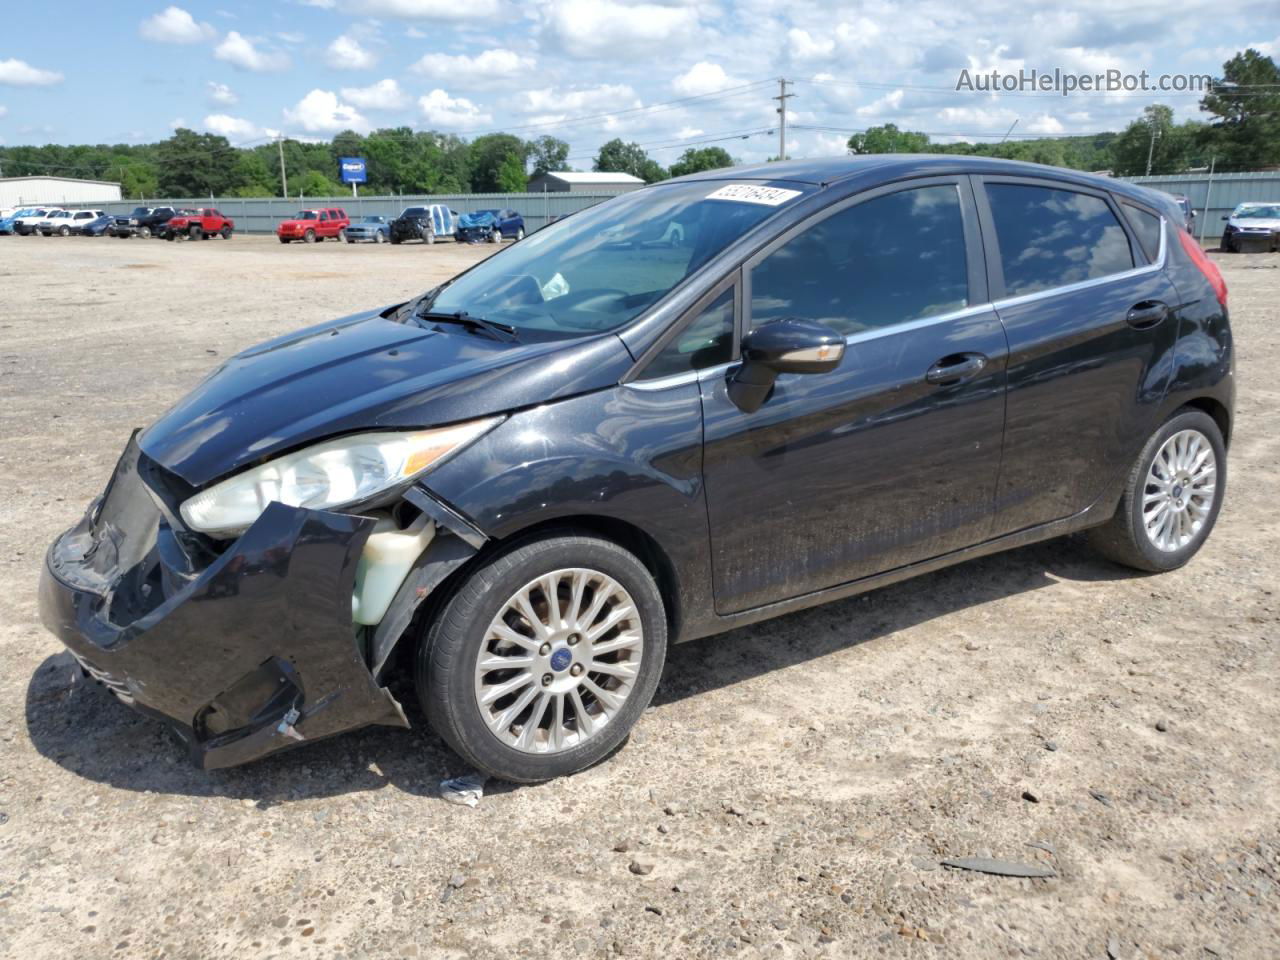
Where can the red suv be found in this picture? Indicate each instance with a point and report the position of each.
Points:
(313, 225)
(200, 224)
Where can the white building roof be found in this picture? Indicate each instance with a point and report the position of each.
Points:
(110, 183)
(593, 177)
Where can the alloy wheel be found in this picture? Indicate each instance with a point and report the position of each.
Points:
(559, 661)
(1180, 489)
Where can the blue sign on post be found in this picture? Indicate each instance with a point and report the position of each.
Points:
(353, 170)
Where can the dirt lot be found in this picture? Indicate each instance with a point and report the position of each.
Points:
(793, 788)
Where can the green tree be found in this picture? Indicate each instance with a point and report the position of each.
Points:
(548, 154)
(618, 157)
(194, 164)
(888, 139)
(695, 161)
(313, 183)
(1246, 102)
(1169, 145)
(511, 175)
(488, 156)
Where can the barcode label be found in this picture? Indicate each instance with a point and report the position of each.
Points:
(749, 193)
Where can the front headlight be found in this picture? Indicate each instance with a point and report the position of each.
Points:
(327, 476)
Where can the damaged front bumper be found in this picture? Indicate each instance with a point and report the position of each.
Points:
(249, 654)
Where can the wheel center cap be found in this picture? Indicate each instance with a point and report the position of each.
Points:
(561, 659)
(1177, 491)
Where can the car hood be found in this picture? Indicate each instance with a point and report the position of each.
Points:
(365, 373)
(1256, 223)
(299, 223)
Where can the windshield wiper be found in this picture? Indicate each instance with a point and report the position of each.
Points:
(501, 331)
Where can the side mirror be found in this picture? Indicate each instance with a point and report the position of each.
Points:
(782, 346)
(1226, 218)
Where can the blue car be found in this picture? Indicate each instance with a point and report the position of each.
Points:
(7, 224)
(491, 225)
(371, 229)
(101, 225)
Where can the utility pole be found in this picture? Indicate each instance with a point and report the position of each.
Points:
(1151, 148)
(1208, 194)
(782, 99)
(284, 182)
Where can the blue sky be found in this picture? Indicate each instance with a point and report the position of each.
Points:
(663, 74)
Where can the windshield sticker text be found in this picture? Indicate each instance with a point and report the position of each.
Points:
(748, 193)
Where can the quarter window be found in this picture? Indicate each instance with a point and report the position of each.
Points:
(891, 259)
(1051, 238)
(1147, 227)
(705, 342)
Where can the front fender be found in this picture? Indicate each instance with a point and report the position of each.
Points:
(626, 454)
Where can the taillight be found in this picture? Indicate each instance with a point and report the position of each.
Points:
(1207, 266)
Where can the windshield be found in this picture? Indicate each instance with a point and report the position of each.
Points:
(141, 211)
(374, 220)
(1259, 213)
(601, 268)
(414, 212)
(492, 213)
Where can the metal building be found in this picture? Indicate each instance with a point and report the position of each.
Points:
(24, 191)
(571, 182)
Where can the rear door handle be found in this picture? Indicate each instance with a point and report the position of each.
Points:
(1146, 314)
(957, 367)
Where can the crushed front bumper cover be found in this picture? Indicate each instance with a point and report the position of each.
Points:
(252, 653)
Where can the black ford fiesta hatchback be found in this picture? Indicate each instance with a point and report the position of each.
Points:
(698, 405)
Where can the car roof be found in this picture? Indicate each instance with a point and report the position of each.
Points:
(868, 170)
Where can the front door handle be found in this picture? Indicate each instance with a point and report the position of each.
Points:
(956, 367)
(1146, 314)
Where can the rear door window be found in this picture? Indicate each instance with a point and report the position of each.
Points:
(1052, 238)
(887, 260)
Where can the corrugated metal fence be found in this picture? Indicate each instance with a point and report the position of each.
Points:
(1213, 200)
(261, 214)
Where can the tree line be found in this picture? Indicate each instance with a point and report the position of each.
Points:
(1243, 133)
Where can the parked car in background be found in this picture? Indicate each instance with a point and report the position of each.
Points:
(78, 221)
(103, 224)
(525, 483)
(491, 225)
(311, 225)
(198, 224)
(25, 226)
(369, 229)
(1251, 225)
(143, 221)
(9, 225)
(63, 223)
(427, 224)
(1188, 211)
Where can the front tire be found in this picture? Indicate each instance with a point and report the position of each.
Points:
(542, 660)
(226, 233)
(195, 232)
(309, 236)
(144, 233)
(1172, 497)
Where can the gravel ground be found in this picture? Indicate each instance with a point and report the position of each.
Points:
(790, 793)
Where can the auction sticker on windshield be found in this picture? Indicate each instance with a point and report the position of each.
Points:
(749, 193)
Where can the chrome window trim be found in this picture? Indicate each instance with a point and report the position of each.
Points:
(862, 336)
(1019, 300)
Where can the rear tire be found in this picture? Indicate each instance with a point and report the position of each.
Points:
(520, 233)
(342, 234)
(608, 614)
(1169, 508)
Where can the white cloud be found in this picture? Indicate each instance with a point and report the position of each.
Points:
(702, 78)
(1050, 126)
(221, 94)
(3, 110)
(345, 53)
(175, 25)
(19, 73)
(320, 111)
(607, 28)
(804, 46)
(233, 128)
(430, 9)
(320, 4)
(549, 105)
(878, 108)
(240, 51)
(383, 95)
(490, 65)
(177, 122)
(441, 110)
